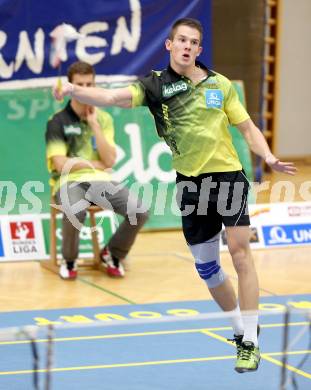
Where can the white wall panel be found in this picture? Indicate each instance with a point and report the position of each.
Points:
(293, 124)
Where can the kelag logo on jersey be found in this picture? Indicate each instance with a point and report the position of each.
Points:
(169, 90)
(278, 235)
(214, 98)
(72, 130)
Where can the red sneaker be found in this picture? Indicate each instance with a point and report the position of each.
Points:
(112, 264)
(66, 273)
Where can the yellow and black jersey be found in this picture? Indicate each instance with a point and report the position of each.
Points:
(193, 119)
(68, 135)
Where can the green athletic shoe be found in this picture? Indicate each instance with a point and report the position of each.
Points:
(237, 340)
(248, 357)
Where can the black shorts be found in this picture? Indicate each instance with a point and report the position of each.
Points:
(210, 200)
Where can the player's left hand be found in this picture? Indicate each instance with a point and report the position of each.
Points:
(90, 115)
(280, 166)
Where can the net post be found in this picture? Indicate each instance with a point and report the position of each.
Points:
(285, 347)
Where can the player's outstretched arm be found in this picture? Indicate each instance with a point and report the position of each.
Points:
(121, 97)
(258, 145)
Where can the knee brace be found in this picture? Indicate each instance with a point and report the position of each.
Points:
(207, 261)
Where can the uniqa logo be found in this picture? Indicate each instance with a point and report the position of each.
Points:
(169, 90)
(278, 235)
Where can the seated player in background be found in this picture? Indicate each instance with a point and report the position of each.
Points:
(80, 138)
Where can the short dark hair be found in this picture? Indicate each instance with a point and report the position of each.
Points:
(79, 67)
(190, 22)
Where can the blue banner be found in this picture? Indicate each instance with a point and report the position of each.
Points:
(124, 37)
(295, 234)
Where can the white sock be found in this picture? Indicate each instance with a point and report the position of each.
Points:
(250, 328)
(237, 323)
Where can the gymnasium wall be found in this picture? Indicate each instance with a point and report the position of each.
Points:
(237, 36)
(292, 132)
